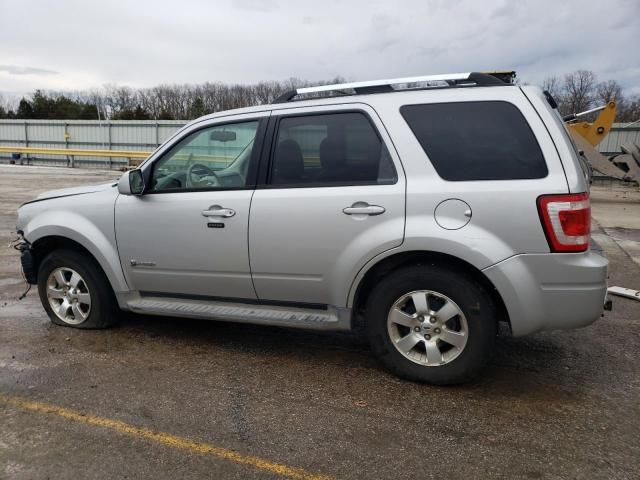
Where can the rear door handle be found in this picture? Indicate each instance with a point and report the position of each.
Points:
(363, 208)
(218, 211)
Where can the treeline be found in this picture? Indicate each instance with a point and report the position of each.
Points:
(163, 102)
(574, 92)
(43, 105)
(580, 91)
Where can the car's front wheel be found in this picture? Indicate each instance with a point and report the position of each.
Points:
(75, 292)
(431, 324)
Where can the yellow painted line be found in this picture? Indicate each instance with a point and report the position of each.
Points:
(174, 441)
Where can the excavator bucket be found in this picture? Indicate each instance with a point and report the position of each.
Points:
(587, 135)
(628, 161)
(594, 132)
(600, 163)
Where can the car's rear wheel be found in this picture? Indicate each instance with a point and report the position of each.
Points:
(431, 324)
(75, 292)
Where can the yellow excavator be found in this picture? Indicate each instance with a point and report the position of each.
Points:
(587, 135)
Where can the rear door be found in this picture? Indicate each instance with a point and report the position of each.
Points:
(332, 197)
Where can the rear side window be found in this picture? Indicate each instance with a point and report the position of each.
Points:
(476, 140)
(330, 150)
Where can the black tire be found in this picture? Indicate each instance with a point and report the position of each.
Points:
(103, 312)
(475, 303)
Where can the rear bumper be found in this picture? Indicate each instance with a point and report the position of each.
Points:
(551, 291)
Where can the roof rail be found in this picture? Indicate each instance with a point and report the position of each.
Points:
(470, 79)
(507, 76)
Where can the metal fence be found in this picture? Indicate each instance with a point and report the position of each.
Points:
(146, 135)
(620, 134)
(84, 134)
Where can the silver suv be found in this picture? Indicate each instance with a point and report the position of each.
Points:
(423, 210)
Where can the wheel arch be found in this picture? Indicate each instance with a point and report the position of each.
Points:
(44, 245)
(402, 259)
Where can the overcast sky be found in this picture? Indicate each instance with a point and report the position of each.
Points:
(70, 45)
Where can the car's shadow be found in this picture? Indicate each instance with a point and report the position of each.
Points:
(525, 362)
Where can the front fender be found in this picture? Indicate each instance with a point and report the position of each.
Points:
(77, 227)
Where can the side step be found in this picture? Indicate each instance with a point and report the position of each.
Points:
(308, 318)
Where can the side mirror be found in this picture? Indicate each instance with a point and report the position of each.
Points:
(131, 183)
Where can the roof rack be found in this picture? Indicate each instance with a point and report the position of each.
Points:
(470, 79)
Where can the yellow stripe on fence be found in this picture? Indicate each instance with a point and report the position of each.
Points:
(77, 152)
(130, 154)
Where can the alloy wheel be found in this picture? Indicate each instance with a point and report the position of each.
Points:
(68, 295)
(427, 328)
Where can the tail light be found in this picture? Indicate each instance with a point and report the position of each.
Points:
(566, 220)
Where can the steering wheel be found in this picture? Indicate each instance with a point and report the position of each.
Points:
(195, 173)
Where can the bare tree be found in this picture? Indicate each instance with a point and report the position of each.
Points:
(579, 91)
(629, 111)
(608, 91)
(553, 85)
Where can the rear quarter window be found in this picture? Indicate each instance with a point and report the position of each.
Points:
(488, 140)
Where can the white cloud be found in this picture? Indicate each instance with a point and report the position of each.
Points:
(145, 43)
(21, 70)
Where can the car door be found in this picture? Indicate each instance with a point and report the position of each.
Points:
(331, 198)
(187, 234)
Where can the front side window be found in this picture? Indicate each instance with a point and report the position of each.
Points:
(488, 140)
(330, 150)
(210, 158)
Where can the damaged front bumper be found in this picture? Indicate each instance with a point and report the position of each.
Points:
(27, 259)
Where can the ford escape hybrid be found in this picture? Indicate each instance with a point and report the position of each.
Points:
(425, 210)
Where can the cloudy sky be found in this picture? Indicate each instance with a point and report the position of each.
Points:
(73, 44)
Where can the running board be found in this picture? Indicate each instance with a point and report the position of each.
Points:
(308, 318)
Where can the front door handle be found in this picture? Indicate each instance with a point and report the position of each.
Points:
(218, 211)
(363, 208)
